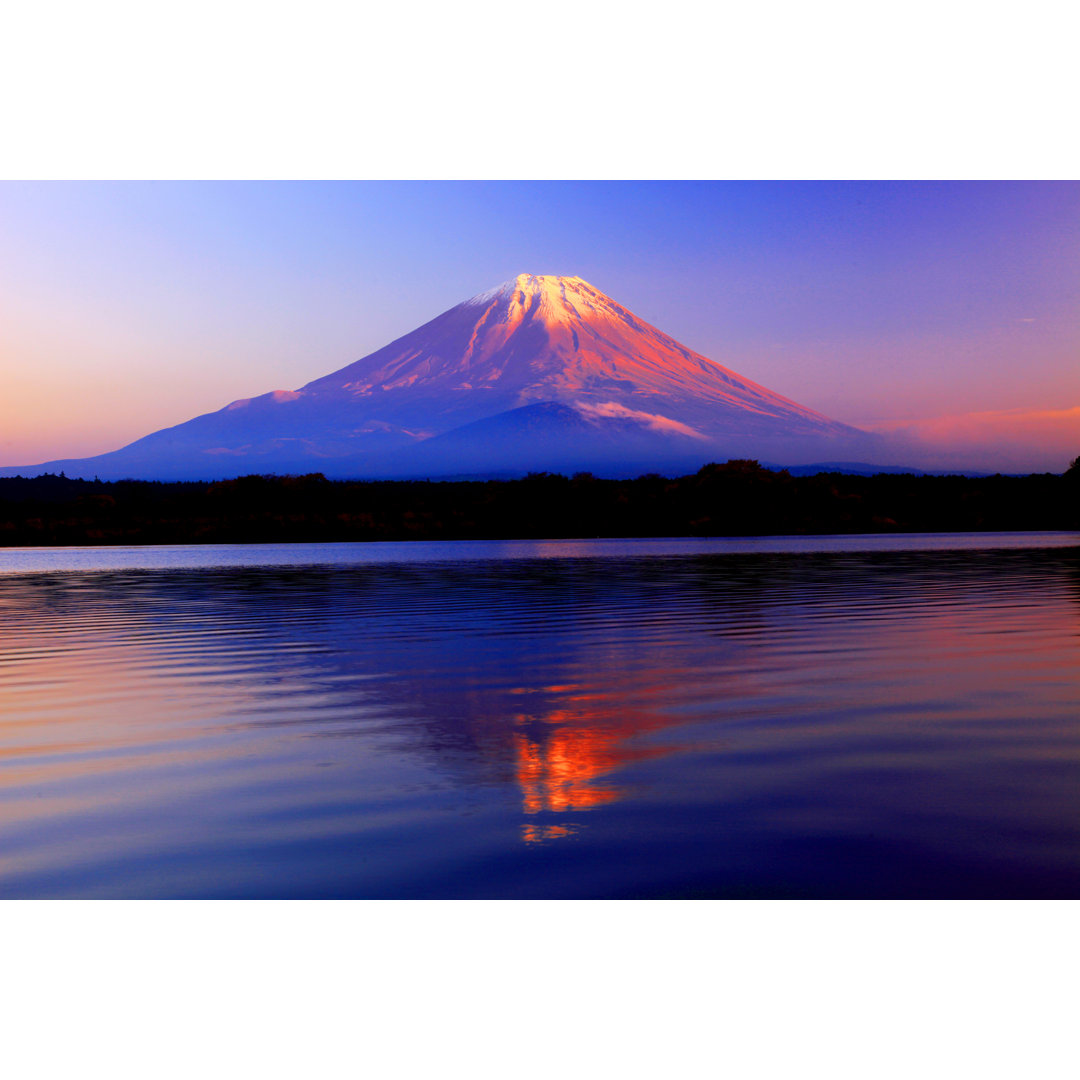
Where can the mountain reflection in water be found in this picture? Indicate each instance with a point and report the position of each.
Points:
(842, 724)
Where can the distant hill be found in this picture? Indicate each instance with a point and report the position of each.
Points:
(858, 468)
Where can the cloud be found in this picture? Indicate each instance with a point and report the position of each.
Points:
(653, 421)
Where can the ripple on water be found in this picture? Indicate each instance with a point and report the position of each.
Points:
(606, 721)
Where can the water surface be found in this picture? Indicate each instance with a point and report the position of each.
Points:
(775, 717)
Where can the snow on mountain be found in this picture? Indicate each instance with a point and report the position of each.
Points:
(618, 390)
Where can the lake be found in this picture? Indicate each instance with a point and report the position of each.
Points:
(782, 717)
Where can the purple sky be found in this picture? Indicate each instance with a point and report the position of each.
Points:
(946, 310)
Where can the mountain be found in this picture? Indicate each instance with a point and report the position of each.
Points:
(541, 372)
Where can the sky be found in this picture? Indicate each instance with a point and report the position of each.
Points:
(943, 312)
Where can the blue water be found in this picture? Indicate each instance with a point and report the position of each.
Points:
(836, 717)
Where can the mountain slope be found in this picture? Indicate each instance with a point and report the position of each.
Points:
(623, 388)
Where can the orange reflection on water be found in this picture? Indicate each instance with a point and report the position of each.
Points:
(557, 774)
(564, 760)
(537, 834)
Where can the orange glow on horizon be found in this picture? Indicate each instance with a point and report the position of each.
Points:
(1003, 439)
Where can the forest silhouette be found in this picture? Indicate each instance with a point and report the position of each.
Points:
(737, 498)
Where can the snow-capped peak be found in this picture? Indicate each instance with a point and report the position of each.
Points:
(549, 299)
(528, 286)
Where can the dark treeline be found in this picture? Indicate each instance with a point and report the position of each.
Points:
(737, 498)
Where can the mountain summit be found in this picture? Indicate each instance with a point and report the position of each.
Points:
(546, 338)
(541, 372)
